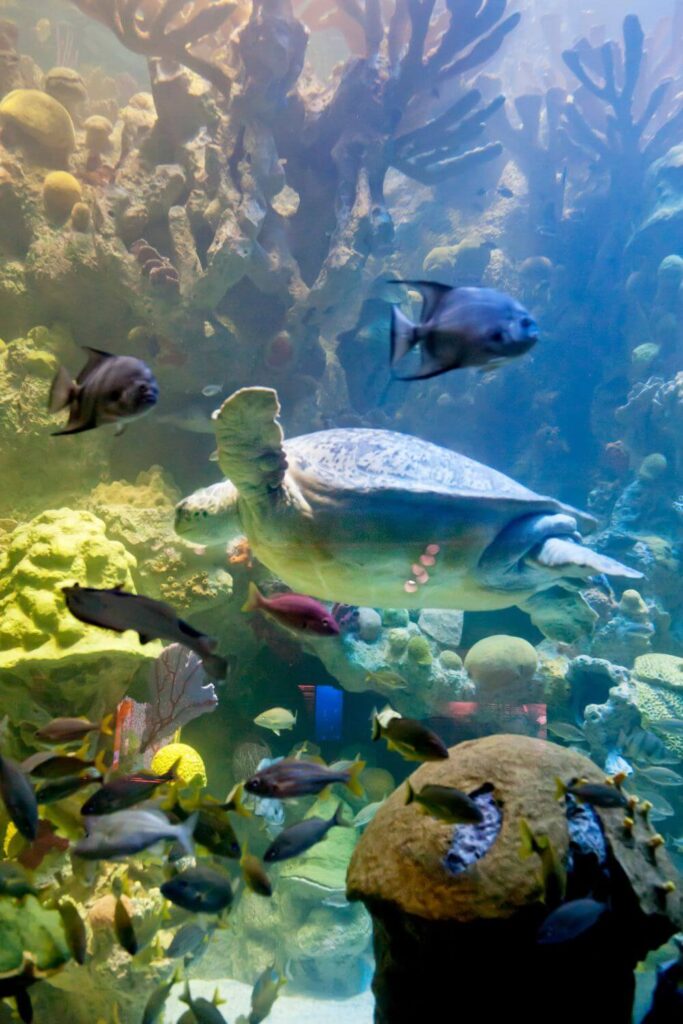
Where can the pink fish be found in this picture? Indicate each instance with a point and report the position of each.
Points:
(294, 611)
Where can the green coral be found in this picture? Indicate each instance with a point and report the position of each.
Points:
(660, 670)
(419, 650)
(398, 641)
(30, 931)
(450, 660)
(393, 617)
(656, 702)
(41, 643)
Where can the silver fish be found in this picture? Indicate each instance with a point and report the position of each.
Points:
(119, 835)
(151, 619)
(194, 418)
(642, 745)
(109, 389)
(211, 390)
(660, 776)
(674, 725)
(566, 731)
(460, 327)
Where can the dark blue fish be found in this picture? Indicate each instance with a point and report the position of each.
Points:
(109, 389)
(300, 837)
(570, 921)
(199, 890)
(151, 619)
(460, 327)
(19, 798)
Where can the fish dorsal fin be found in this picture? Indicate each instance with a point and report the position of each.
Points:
(95, 358)
(250, 440)
(432, 294)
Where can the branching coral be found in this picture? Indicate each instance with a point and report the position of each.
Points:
(602, 118)
(165, 28)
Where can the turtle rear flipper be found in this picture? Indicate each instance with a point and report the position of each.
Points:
(250, 440)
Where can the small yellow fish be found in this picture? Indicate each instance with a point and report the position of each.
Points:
(553, 874)
(385, 679)
(43, 30)
(276, 719)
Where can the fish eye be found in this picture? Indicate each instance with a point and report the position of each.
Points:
(526, 321)
(115, 395)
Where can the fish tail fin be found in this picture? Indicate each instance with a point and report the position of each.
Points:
(100, 764)
(528, 839)
(235, 797)
(376, 727)
(169, 774)
(62, 390)
(185, 832)
(354, 783)
(107, 725)
(186, 997)
(215, 666)
(404, 335)
(338, 816)
(411, 792)
(560, 789)
(254, 598)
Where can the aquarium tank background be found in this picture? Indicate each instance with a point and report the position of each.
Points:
(341, 511)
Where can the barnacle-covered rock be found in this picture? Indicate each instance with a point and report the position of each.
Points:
(438, 898)
(658, 679)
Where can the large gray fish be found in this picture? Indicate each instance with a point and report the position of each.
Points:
(460, 327)
(109, 389)
(125, 833)
(151, 619)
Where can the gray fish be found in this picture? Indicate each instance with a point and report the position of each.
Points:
(660, 776)
(642, 745)
(74, 929)
(460, 327)
(294, 778)
(151, 619)
(109, 389)
(14, 880)
(200, 890)
(119, 835)
(19, 798)
(570, 921)
(566, 731)
(194, 417)
(52, 790)
(204, 1012)
(156, 1002)
(674, 725)
(264, 993)
(68, 730)
(211, 390)
(300, 837)
(186, 941)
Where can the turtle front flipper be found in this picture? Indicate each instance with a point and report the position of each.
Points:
(250, 440)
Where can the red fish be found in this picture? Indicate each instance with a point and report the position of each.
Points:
(294, 611)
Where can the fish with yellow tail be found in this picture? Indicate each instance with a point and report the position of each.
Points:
(597, 794)
(445, 803)
(296, 612)
(70, 730)
(204, 1011)
(294, 778)
(553, 874)
(254, 873)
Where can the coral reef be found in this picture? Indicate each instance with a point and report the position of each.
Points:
(502, 668)
(420, 654)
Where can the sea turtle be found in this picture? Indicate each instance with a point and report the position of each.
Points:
(345, 515)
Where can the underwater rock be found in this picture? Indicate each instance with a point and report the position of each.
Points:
(425, 918)
(628, 633)
(369, 625)
(502, 668)
(67, 87)
(440, 624)
(605, 723)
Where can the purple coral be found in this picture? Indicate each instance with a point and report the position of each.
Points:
(179, 691)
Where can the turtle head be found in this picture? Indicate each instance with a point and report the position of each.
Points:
(209, 515)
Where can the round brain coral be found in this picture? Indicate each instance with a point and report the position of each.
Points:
(501, 666)
(190, 769)
(61, 192)
(36, 117)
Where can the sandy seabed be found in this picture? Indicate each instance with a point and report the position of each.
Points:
(287, 1009)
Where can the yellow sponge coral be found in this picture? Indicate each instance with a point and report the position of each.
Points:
(190, 769)
(61, 192)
